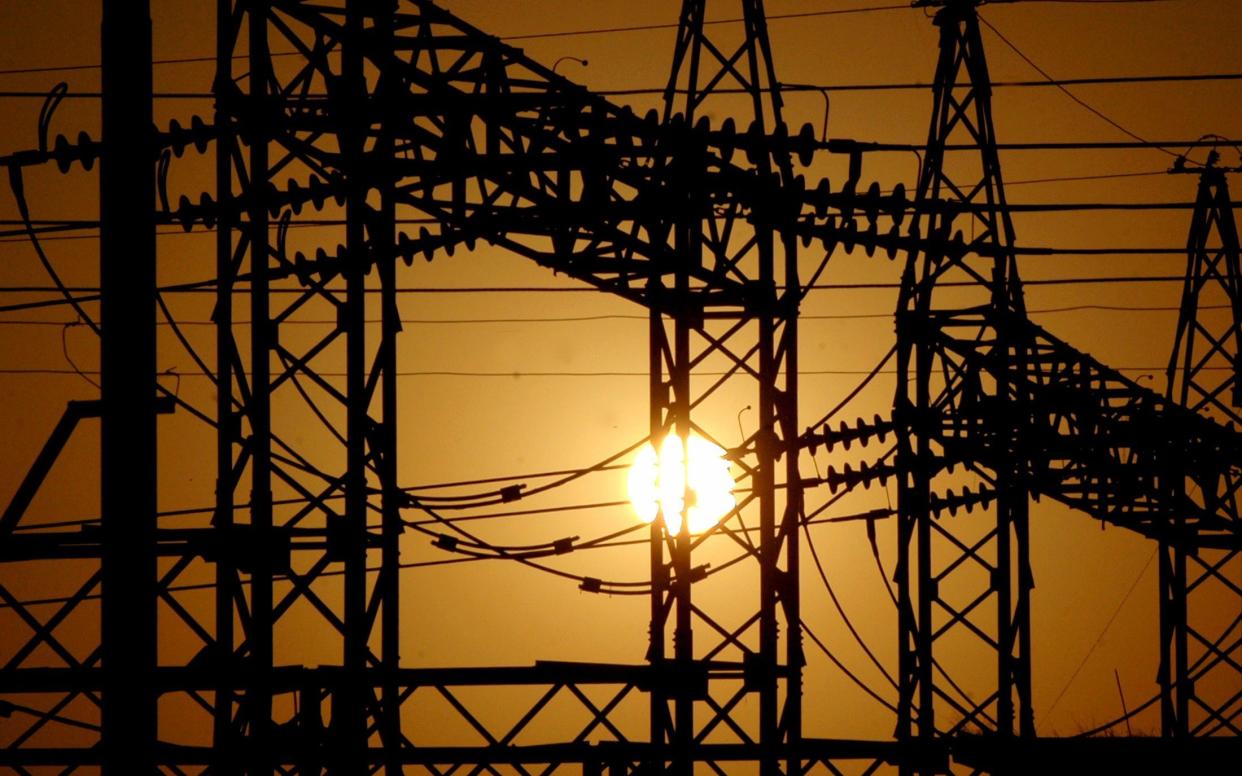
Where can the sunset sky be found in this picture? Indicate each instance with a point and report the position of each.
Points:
(506, 384)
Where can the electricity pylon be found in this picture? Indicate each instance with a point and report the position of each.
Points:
(760, 344)
(1200, 640)
(963, 584)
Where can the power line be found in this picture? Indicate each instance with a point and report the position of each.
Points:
(848, 674)
(209, 286)
(526, 36)
(637, 318)
(83, 298)
(1124, 130)
(519, 374)
(1103, 632)
(787, 88)
(861, 146)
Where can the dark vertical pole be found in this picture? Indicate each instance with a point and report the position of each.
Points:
(658, 393)
(683, 630)
(924, 585)
(1026, 581)
(262, 340)
(382, 238)
(676, 394)
(348, 717)
(769, 435)
(223, 734)
(789, 588)
(1182, 666)
(765, 487)
(1174, 670)
(128, 494)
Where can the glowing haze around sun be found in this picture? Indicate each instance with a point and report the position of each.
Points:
(658, 481)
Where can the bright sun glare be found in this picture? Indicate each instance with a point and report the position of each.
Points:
(658, 481)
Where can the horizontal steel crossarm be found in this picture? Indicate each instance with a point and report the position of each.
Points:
(544, 161)
(815, 750)
(1098, 441)
(292, 678)
(495, 147)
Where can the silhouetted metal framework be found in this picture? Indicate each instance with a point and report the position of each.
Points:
(760, 343)
(432, 117)
(964, 585)
(983, 389)
(340, 479)
(419, 134)
(1200, 642)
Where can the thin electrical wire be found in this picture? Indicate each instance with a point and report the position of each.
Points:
(499, 553)
(1089, 107)
(425, 564)
(552, 34)
(1153, 78)
(849, 674)
(528, 36)
(642, 318)
(1118, 720)
(64, 349)
(1100, 638)
(192, 587)
(845, 618)
(519, 374)
(786, 88)
(207, 286)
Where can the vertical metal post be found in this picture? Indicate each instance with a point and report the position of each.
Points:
(262, 340)
(128, 497)
(382, 240)
(658, 398)
(227, 429)
(787, 589)
(349, 719)
(683, 630)
(765, 485)
(675, 417)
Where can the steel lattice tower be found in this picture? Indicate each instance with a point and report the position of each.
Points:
(709, 300)
(762, 343)
(971, 579)
(327, 533)
(1201, 654)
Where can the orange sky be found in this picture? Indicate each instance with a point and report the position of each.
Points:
(472, 426)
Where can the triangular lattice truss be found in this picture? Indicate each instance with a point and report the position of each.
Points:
(1200, 641)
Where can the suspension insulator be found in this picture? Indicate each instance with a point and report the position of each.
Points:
(805, 145)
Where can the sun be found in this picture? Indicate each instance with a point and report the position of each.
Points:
(658, 481)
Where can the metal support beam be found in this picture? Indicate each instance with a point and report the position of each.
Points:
(127, 356)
